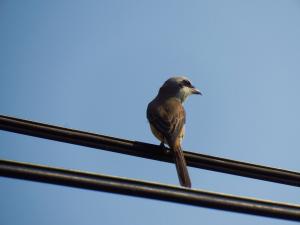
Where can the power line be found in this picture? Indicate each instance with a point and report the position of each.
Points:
(144, 189)
(148, 151)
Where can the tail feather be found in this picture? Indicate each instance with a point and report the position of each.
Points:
(181, 167)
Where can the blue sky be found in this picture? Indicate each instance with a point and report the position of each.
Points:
(95, 65)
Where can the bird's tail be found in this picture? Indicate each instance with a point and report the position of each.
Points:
(180, 162)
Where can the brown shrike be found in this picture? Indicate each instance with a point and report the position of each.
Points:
(166, 116)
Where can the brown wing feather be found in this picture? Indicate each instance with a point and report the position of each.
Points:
(168, 118)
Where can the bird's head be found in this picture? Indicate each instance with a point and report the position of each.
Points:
(179, 87)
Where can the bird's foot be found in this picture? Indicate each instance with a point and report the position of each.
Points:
(164, 148)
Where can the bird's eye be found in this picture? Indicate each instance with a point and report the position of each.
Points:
(186, 83)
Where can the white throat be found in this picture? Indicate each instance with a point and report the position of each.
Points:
(183, 94)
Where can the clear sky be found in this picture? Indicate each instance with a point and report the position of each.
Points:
(95, 65)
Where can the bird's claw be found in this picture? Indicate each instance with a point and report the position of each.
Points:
(164, 148)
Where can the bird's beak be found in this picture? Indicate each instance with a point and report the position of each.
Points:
(196, 91)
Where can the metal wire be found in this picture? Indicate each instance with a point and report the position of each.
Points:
(157, 191)
(148, 151)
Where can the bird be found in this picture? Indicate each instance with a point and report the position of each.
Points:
(167, 117)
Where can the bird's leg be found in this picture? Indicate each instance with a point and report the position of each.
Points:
(162, 145)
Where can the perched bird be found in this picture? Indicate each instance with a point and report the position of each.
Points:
(166, 116)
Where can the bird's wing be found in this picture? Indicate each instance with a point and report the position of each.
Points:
(168, 118)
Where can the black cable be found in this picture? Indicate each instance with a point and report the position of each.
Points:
(99, 182)
(148, 151)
